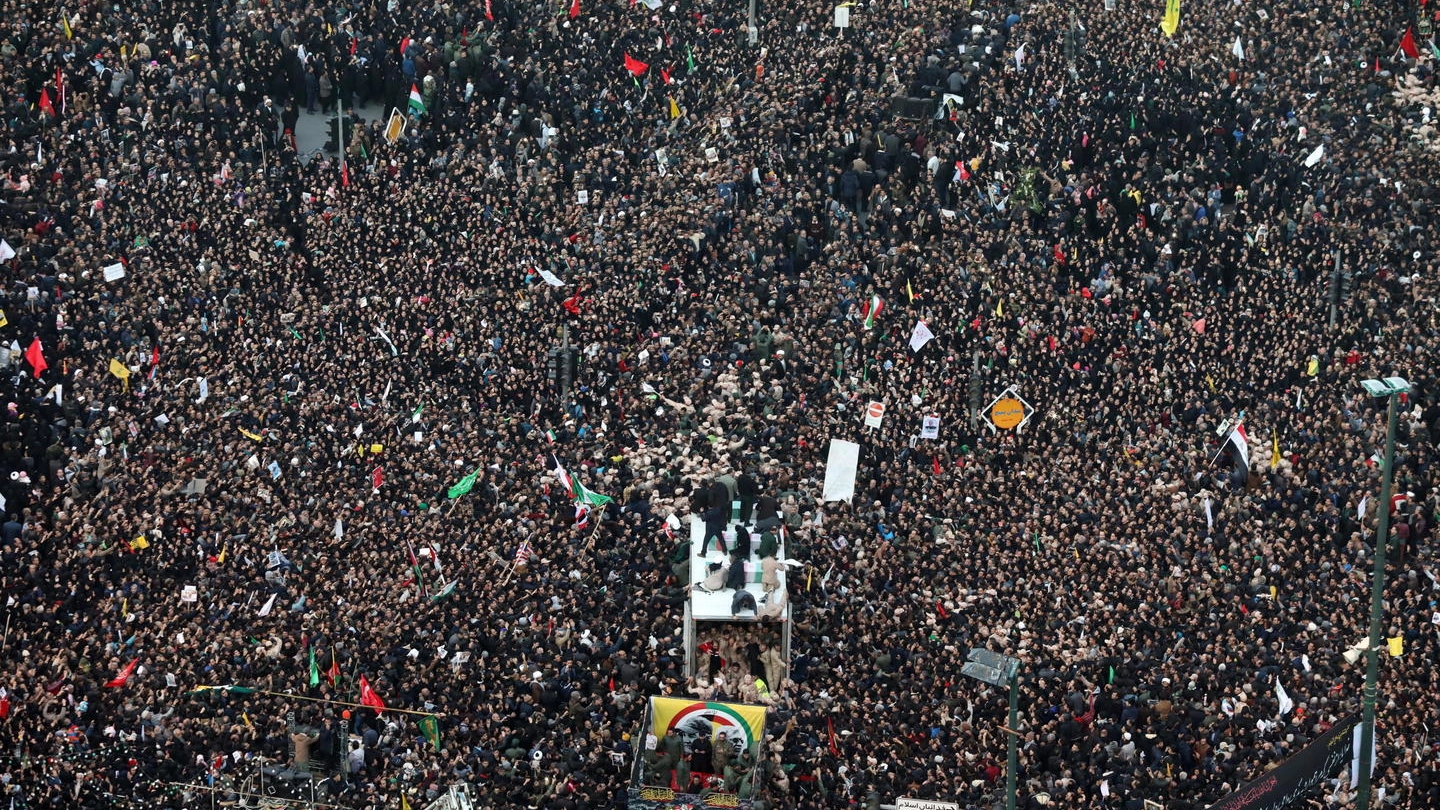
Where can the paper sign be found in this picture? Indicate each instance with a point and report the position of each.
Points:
(712, 154)
(842, 16)
(114, 272)
(189, 594)
(395, 127)
(582, 196)
(840, 470)
(274, 469)
(874, 412)
(930, 427)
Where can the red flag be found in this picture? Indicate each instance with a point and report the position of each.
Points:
(634, 65)
(665, 75)
(369, 698)
(571, 304)
(574, 9)
(1059, 255)
(489, 14)
(60, 87)
(333, 674)
(834, 749)
(1407, 44)
(344, 173)
(935, 464)
(35, 356)
(45, 105)
(940, 609)
(4, 704)
(124, 675)
(377, 478)
(404, 44)
(964, 171)
(354, 43)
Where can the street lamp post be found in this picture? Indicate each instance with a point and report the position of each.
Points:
(1389, 389)
(1001, 670)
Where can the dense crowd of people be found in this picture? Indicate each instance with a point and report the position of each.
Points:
(243, 381)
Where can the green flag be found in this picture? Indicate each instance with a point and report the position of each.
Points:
(448, 590)
(689, 59)
(464, 485)
(314, 668)
(585, 496)
(430, 727)
(228, 688)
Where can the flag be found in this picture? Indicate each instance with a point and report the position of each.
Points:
(674, 109)
(572, 304)
(60, 86)
(1396, 646)
(229, 689)
(4, 703)
(665, 75)
(35, 356)
(417, 104)
(377, 478)
(154, 362)
(1242, 445)
(314, 668)
(1238, 49)
(404, 802)
(582, 516)
(1170, 23)
(1020, 56)
(909, 292)
(1315, 156)
(65, 25)
(523, 553)
(935, 465)
(635, 66)
(1407, 44)
(344, 172)
(834, 748)
(920, 336)
(489, 13)
(268, 606)
(689, 60)
(872, 310)
(368, 696)
(333, 673)
(118, 369)
(1286, 704)
(464, 485)
(123, 676)
(574, 9)
(1274, 449)
(45, 105)
(251, 436)
(430, 727)
(6, 252)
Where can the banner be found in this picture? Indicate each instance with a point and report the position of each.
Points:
(736, 724)
(1293, 778)
(840, 470)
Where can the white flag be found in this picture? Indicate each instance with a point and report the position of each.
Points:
(1315, 156)
(550, 278)
(1286, 704)
(1238, 49)
(1362, 508)
(1209, 517)
(920, 336)
(204, 390)
(268, 606)
(6, 252)
(1020, 56)
(339, 529)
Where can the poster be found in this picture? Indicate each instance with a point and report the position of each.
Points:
(930, 427)
(737, 724)
(840, 470)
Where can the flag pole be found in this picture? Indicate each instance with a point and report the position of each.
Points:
(292, 696)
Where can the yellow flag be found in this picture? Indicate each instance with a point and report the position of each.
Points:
(1313, 369)
(1397, 646)
(4, 321)
(1274, 450)
(908, 291)
(1274, 592)
(65, 26)
(221, 559)
(404, 802)
(1000, 309)
(253, 436)
(119, 370)
(140, 543)
(1170, 23)
(674, 109)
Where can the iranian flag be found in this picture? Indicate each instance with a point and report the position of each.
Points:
(577, 490)
(417, 104)
(872, 311)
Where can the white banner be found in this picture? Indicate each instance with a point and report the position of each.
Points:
(840, 470)
(930, 427)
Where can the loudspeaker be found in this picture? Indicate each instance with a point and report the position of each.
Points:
(911, 108)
